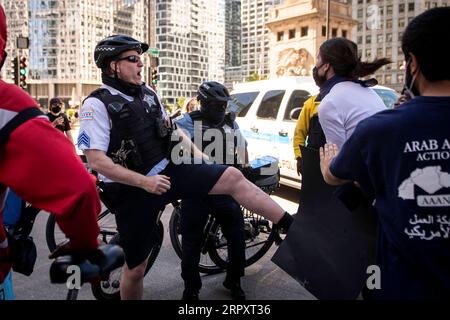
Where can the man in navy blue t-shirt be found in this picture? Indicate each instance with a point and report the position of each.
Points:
(401, 158)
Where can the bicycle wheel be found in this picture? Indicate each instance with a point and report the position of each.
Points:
(110, 289)
(259, 237)
(206, 265)
(106, 222)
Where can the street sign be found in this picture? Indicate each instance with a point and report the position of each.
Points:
(154, 51)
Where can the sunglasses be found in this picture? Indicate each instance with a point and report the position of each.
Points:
(133, 59)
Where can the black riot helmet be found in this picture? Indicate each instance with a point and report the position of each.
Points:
(213, 98)
(213, 93)
(109, 48)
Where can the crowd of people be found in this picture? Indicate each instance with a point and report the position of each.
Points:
(397, 158)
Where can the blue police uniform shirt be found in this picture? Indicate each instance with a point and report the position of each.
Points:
(401, 157)
(186, 123)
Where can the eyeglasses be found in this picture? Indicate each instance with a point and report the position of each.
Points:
(133, 59)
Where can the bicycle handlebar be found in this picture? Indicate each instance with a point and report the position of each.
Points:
(93, 266)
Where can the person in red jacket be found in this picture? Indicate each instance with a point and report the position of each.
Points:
(65, 188)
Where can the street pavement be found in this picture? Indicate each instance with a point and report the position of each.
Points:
(263, 280)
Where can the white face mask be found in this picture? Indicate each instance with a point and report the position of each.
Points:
(409, 87)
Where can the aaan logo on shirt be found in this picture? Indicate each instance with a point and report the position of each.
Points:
(430, 179)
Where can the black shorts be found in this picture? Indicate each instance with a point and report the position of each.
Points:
(137, 210)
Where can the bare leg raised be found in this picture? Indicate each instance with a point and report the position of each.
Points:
(233, 183)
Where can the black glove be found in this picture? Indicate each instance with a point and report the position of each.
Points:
(299, 165)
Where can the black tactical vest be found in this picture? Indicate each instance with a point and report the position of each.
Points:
(229, 150)
(139, 137)
(316, 136)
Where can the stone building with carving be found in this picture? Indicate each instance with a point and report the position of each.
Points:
(298, 27)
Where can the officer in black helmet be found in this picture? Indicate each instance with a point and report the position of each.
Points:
(213, 98)
(125, 135)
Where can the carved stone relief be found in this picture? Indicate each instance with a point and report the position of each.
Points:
(294, 62)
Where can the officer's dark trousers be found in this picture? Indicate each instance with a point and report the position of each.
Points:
(194, 215)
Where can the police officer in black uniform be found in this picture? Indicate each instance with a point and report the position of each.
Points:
(125, 135)
(213, 98)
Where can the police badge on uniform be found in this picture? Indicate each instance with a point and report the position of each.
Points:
(150, 100)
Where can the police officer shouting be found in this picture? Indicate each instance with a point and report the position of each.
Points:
(213, 98)
(125, 137)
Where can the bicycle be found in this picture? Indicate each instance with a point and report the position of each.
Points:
(259, 237)
(109, 288)
(259, 234)
(92, 267)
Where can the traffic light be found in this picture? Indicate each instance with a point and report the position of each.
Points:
(154, 76)
(15, 69)
(23, 72)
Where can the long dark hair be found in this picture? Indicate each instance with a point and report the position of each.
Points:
(342, 55)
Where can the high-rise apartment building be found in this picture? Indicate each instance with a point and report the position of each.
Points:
(189, 34)
(63, 35)
(233, 37)
(255, 36)
(130, 18)
(190, 38)
(233, 33)
(379, 32)
(214, 25)
(17, 23)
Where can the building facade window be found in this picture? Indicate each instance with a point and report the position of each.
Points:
(344, 33)
(324, 31)
(389, 9)
(291, 33)
(389, 55)
(379, 52)
(334, 32)
(280, 35)
(304, 31)
(380, 38)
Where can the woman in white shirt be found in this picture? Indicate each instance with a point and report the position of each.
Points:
(345, 100)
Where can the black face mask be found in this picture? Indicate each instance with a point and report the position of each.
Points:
(318, 79)
(56, 109)
(409, 87)
(215, 114)
(127, 88)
